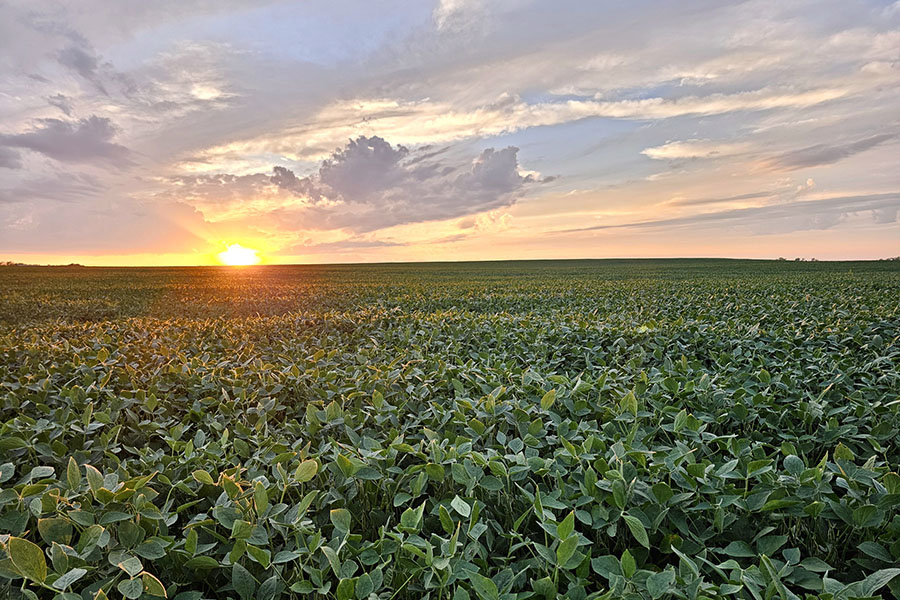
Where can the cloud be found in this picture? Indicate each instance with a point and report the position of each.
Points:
(491, 221)
(9, 158)
(226, 197)
(721, 200)
(368, 184)
(303, 187)
(339, 247)
(693, 149)
(85, 64)
(367, 166)
(60, 187)
(84, 140)
(62, 102)
(885, 215)
(711, 104)
(825, 154)
(75, 228)
(456, 14)
(787, 190)
(428, 121)
(780, 218)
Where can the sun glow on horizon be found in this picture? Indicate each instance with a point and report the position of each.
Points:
(238, 256)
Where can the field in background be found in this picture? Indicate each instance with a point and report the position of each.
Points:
(636, 429)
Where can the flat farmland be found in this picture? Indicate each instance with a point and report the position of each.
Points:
(504, 430)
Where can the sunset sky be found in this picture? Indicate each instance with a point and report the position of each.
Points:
(347, 131)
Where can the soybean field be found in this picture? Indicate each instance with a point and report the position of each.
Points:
(638, 429)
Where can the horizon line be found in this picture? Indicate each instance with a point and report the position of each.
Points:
(11, 264)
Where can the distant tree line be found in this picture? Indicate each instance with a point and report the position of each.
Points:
(9, 263)
(814, 259)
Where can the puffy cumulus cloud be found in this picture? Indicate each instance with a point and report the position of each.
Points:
(84, 140)
(368, 184)
(371, 184)
(827, 153)
(367, 166)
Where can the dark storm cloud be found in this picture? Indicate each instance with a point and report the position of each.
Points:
(84, 140)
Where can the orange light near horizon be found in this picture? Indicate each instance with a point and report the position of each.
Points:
(238, 256)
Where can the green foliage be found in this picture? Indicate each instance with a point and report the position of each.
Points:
(582, 430)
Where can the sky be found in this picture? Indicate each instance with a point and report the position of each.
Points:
(161, 133)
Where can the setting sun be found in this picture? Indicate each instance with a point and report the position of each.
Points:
(237, 255)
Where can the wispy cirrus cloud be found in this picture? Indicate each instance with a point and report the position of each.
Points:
(787, 190)
(85, 64)
(62, 102)
(777, 218)
(826, 153)
(428, 121)
(346, 245)
(694, 149)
